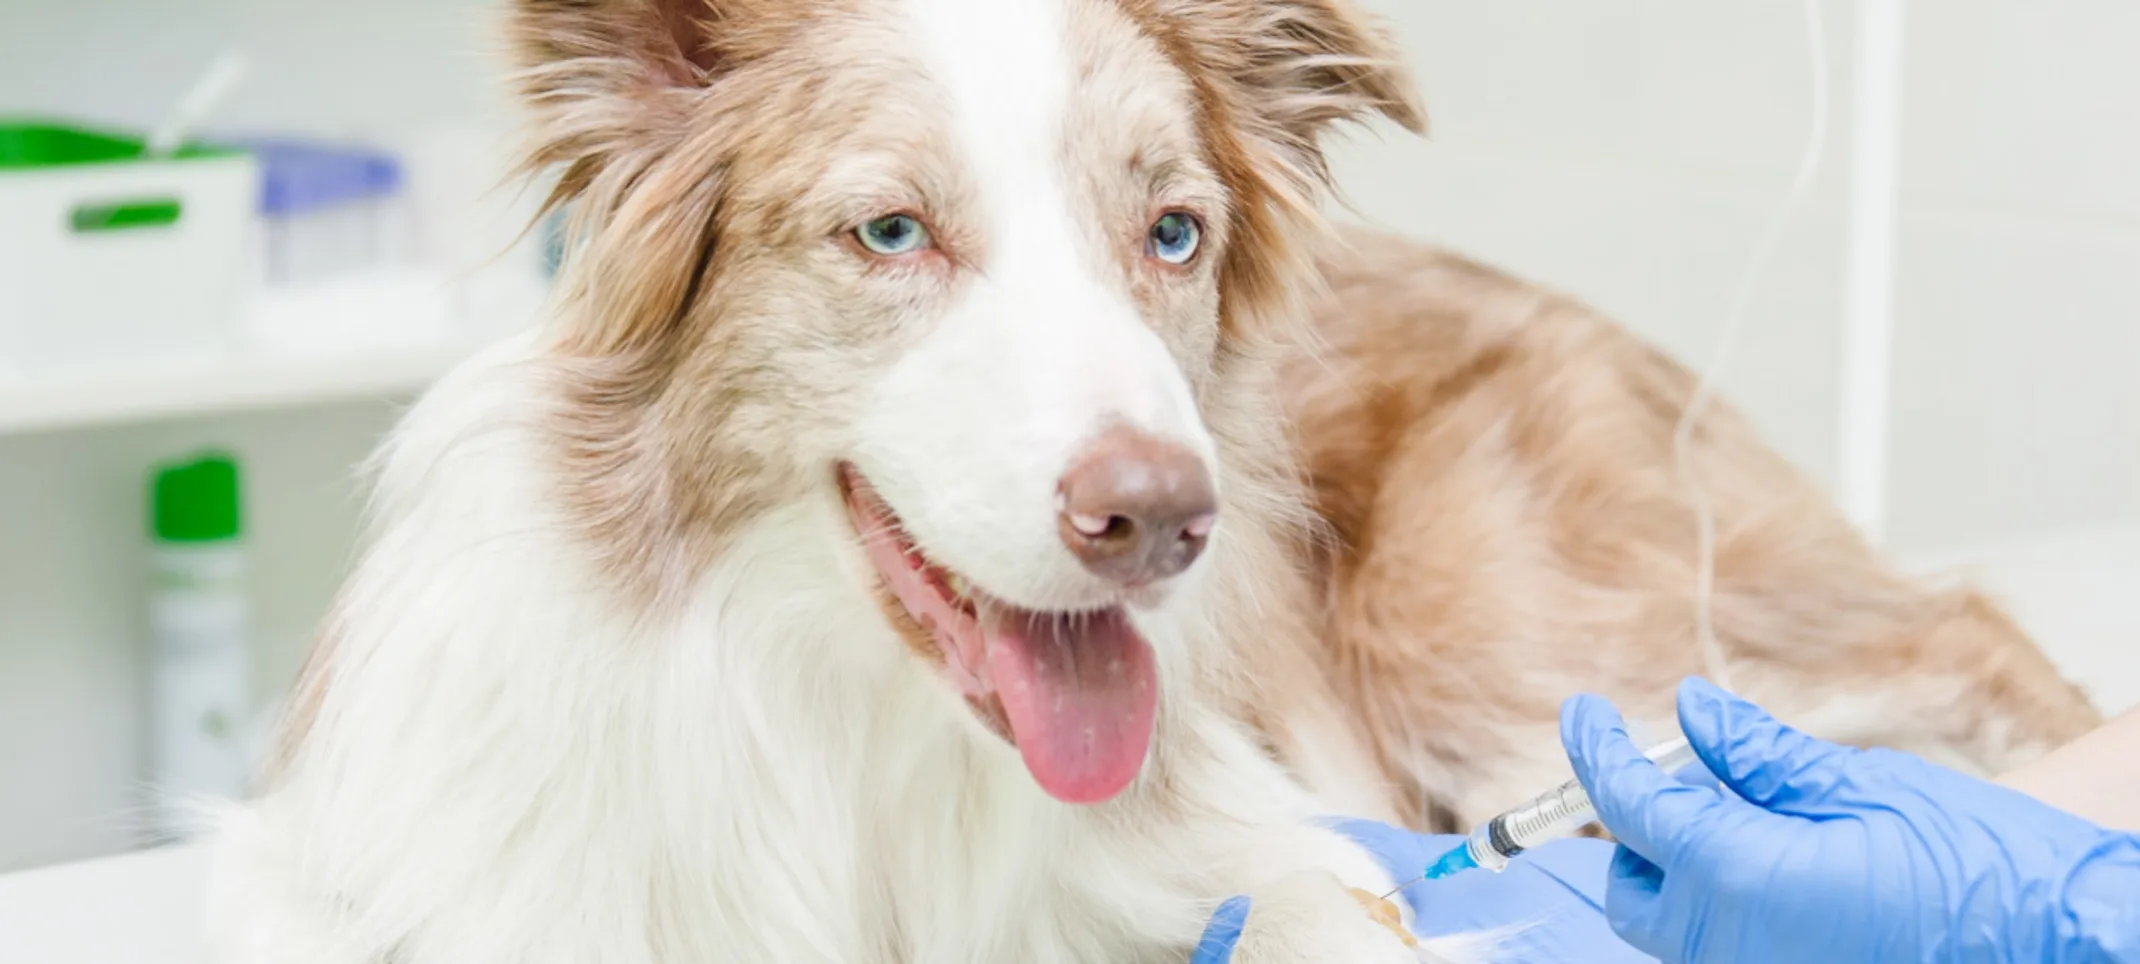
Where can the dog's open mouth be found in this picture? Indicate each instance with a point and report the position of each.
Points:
(1077, 691)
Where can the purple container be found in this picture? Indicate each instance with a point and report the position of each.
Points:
(326, 210)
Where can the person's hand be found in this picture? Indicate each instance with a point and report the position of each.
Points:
(1820, 852)
(1544, 908)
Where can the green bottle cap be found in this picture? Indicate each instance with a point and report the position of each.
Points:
(196, 500)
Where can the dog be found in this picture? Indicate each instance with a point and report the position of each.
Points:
(849, 570)
(959, 510)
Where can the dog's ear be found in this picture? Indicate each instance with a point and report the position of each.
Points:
(609, 80)
(620, 91)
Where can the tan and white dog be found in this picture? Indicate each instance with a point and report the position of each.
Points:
(893, 549)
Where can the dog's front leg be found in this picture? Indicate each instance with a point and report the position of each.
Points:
(1312, 917)
(1306, 907)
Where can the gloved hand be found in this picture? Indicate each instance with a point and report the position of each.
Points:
(1548, 901)
(1826, 853)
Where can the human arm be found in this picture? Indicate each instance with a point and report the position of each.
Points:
(1826, 853)
(2096, 777)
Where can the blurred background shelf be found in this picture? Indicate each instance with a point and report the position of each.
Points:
(378, 336)
(216, 384)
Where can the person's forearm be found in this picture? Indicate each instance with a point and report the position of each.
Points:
(2096, 777)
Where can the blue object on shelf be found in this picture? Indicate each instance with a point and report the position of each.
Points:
(297, 177)
(553, 241)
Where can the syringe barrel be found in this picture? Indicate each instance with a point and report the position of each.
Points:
(1556, 813)
(1551, 815)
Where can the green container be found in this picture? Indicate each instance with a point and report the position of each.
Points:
(36, 145)
(26, 143)
(196, 499)
(115, 256)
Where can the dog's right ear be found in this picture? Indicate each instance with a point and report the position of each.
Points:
(621, 92)
(608, 79)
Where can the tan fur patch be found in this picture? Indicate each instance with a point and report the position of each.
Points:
(1385, 914)
(1495, 463)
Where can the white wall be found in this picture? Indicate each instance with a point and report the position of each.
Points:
(1630, 152)
(318, 66)
(1625, 150)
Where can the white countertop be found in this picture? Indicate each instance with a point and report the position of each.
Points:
(138, 908)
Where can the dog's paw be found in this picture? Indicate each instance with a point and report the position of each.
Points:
(1313, 918)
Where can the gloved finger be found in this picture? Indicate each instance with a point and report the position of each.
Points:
(1645, 808)
(1222, 933)
(1634, 903)
(1764, 761)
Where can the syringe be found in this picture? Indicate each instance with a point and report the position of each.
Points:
(1551, 815)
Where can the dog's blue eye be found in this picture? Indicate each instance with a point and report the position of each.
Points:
(1175, 236)
(893, 234)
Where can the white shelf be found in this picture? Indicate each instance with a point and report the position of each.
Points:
(234, 382)
(395, 330)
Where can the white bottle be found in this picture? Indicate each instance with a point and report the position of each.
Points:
(201, 679)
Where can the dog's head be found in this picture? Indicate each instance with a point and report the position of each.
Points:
(979, 269)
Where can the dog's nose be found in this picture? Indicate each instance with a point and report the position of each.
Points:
(1136, 509)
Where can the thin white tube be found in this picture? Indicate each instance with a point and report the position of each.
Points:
(1816, 146)
(1868, 306)
(200, 101)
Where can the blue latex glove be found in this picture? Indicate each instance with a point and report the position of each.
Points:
(1548, 901)
(1822, 853)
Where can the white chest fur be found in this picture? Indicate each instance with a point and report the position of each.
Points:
(511, 766)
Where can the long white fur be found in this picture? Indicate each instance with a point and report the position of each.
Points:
(535, 776)
(515, 765)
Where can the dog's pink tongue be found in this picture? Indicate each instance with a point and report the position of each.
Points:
(1080, 692)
